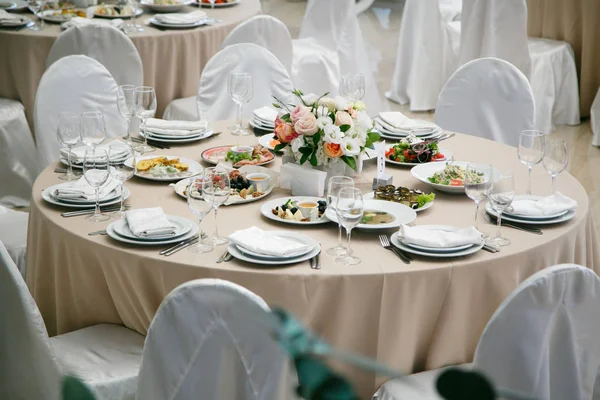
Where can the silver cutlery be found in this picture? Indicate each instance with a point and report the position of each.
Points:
(490, 248)
(89, 211)
(514, 225)
(222, 257)
(102, 232)
(192, 242)
(318, 260)
(181, 245)
(385, 243)
(228, 257)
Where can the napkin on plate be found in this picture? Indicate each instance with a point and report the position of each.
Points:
(301, 180)
(7, 18)
(78, 153)
(148, 222)
(259, 241)
(550, 205)
(266, 114)
(439, 238)
(79, 21)
(397, 120)
(82, 190)
(181, 18)
(175, 128)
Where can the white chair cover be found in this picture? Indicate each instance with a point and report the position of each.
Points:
(595, 119)
(18, 160)
(105, 44)
(489, 98)
(265, 31)
(422, 70)
(13, 233)
(269, 78)
(451, 10)
(73, 83)
(543, 339)
(213, 338)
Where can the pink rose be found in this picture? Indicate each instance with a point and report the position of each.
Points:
(343, 118)
(278, 121)
(352, 112)
(285, 133)
(307, 125)
(299, 112)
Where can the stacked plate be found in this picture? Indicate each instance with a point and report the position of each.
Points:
(436, 252)
(389, 129)
(8, 20)
(185, 229)
(164, 136)
(263, 119)
(77, 154)
(180, 20)
(113, 197)
(555, 218)
(313, 248)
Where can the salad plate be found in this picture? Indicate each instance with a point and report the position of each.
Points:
(406, 155)
(444, 176)
(259, 156)
(428, 128)
(381, 214)
(182, 226)
(47, 197)
(110, 231)
(396, 240)
(161, 24)
(276, 210)
(218, 3)
(164, 168)
(425, 199)
(59, 16)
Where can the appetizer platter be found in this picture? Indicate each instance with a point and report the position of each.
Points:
(298, 210)
(164, 168)
(413, 150)
(413, 198)
(238, 156)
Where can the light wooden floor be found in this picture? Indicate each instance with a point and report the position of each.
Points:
(380, 25)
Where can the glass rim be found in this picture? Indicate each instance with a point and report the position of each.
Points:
(352, 189)
(92, 114)
(143, 89)
(532, 132)
(239, 73)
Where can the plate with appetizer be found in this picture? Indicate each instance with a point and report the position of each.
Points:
(268, 141)
(115, 11)
(238, 155)
(413, 150)
(164, 168)
(60, 16)
(380, 214)
(218, 3)
(296, 210)
(413, 198)
(444, 176)
(161, 6)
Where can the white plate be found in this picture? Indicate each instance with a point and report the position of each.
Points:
(92, 11)
(371, 196)
(447, 153)
(48, 16)
(182, 227)
(19, 5)
(396, 131)
(266, 210)
(194, 169)
(22, 21)
(221, 5)
(255, 260)
(48, 198)
(563, 218)
(470, 250)
(111, 233)
(265, 140)
(156, 22)
(294, 237)
(182, 185)
(259, 125)
(437, 249)
(402, 214)
(531, 217)
(178, 139)
(166, 8)
(424, 171)
(111, 196)
(154, 135)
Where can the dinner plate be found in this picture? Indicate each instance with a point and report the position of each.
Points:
(182, 185)
(194, 168)
(166, 8)
(437, 249)
(265, 141)
(233, 250)
(371, 196)
(55, 16)
(111, 196)
(19, 5)
(182, 227)
(264, 122)
(94, 11)
(292, 236)
(114, 235)
(215, 155)
(447, 153)
(402, 214)
(259, 125)
(21, 21)
(419, 132)
(267, 210)
(177, 139)
(160, 24)
(221, 5)
(396, 137)
(47, 196)
(76, 165)
(155, 135)
(532, 217)
(7, 5)
(563, 218)
(395, 240)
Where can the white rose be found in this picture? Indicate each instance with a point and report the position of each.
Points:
(327, 102)
(332, 134)
(323, 121)
(364, 121)
(351, 147)
(297, 143)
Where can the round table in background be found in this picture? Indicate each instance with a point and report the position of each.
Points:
(411, 317)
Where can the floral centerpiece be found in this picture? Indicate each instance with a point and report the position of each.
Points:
(323, 130)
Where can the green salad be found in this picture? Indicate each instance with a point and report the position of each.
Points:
(237, 157)
(454, 175)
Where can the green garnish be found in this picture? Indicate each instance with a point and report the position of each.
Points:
(237, 157)
(423, 199)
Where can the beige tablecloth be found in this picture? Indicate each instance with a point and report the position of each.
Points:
(411, 317)
(172, 59)
(576, 22)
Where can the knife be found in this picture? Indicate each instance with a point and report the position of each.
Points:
(183, 246)
(174, 247)
(89, 211)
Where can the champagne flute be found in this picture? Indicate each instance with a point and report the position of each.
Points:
(95, 171)
(556, 159)
(93, 129)
(117, 154)
(126, 104)
(239, 87)
(352, 86)
(145, 107)
(531, 150)
(216, 188)
(478, 180)
(200, 207)
(501, 195)
(350, 210)
(333, 188)
(68, 136)
(36, 7)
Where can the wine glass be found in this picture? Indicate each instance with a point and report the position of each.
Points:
(93, 129)
(352, 86)
(127, 106)
(95, 171)
(68, 136)
(212, 3)
(478, 180)
(333, 188)
(117, 154)
(36, 6)
(501, 195)
(145, 107)
(133, 26)
(200, 207)
(556, 159)
(531, 150)
(239, 87)
(349, 208)
(216, 188)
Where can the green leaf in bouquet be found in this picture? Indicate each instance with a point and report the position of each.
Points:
(74, 389)
(286, 117)
(305, 150)
(372, 137)
(332, 116)
(280, 147)
(350, 161)
(304, 158)
(275, 105)
(316, 138)
(344, 127)
(313, 159)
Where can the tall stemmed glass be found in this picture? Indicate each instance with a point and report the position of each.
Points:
(95, 171)
(352, 86)
(145, 107)
(216, 188)
(93, 128)
(199, 207)
(333, 188)
(133, 26)
(127, 106)
(501, 195)
(212, 3)
(478, 180)
(556, 159)
(68, 136)
(117, 154)
(239, 87)
(531, 150)
(36, 7)
(350, 210)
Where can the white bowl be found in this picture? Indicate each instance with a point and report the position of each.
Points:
(161, 8)
(424, 171)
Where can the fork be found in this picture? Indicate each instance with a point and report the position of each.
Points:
(385, 243)
(513, 225)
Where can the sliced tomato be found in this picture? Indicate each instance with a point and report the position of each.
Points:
(389, 152)
(439, 155)
(407, 154)
(456, 182)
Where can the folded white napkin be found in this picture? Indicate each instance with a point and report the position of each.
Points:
(9, 18)
(301, 180)
(266, 114)
(148, 222)
(439, 238)
(550, 205)
(181, 18)
(82, 190)
(397, 120)
(259, 241)
(175, 128)
(79, 21)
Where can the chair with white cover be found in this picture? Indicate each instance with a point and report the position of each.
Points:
(77, 84)
(265, 31)
(269, 78)
(105, 44)
(541, 342)
(422, 70)
(595, 119)
(105, 357)
(494, 28)
(13, 233)
(489, 98)
(214, 338)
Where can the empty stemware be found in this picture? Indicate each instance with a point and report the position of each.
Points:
(333, 188)
(93, 128)
(239, 87)
(350, 210)
(531, 150)
(352, 86)
(145, 107)
(556, 159)
(68, 136)
(95, 171)
(478, 180)
(501, 195)
(36, 7)
(133, 26)
(216, 188)
(127, 106)
(199, 207)
(117, 154)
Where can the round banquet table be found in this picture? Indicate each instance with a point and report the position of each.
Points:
(412, 317)
(172, 59)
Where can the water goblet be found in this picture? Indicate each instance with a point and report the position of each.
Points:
(200, 207)
(117, 154)
(556, 159)
(68, 136)
(333, 188)
(239, 87)
(352, 86)
(93, 128)
(133, 26)
(95, 171)
(127, 106)
(478, 180)
(350, 210)
(145, 107)
(501, 195)
(36, 7)
(216, 187)
(531, 150)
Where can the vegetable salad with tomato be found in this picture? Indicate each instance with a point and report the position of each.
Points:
(420, 152)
